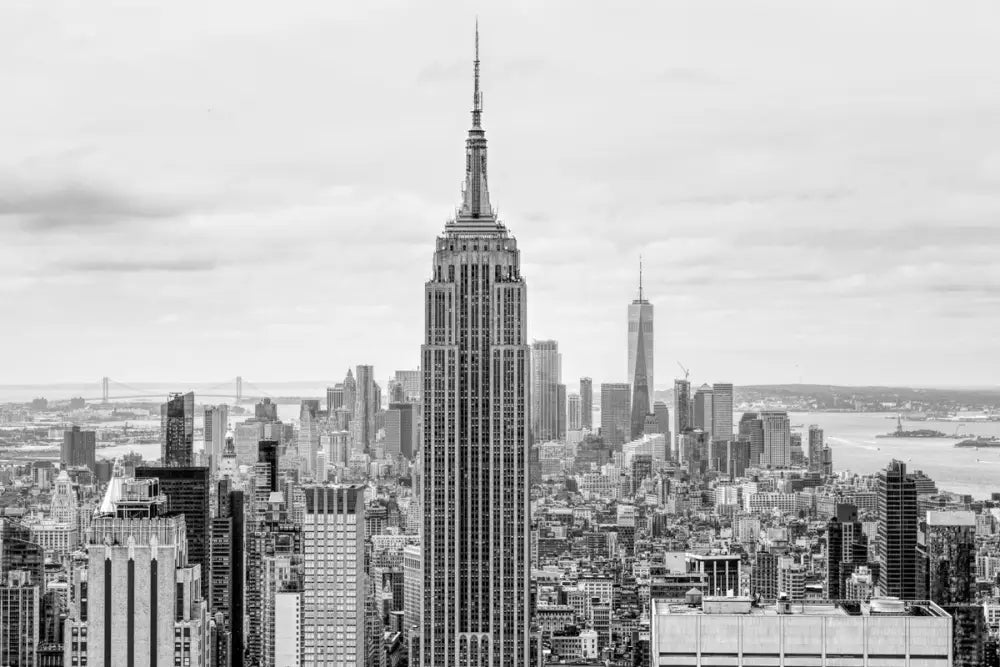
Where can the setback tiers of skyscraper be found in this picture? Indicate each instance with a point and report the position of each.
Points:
(476, 365)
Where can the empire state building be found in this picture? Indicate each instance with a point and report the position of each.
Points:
(476, 368)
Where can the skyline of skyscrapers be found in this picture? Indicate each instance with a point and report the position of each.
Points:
(470, 520)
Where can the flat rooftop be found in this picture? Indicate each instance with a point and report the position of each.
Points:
(744, 606)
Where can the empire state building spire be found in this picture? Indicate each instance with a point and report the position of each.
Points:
(476, 194)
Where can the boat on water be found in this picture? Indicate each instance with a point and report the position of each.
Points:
(980, 441)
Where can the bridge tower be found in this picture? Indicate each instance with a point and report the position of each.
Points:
(239, 388)
(104, 388)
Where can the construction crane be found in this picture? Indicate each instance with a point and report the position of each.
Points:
(686, 371)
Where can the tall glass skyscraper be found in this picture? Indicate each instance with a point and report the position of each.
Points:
(476, 372)
(546, 380)
(640, 349)
(177, 427)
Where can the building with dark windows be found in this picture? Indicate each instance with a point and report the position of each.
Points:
(897, 532)
(177, 428)
(704, 400)
(616, 412)
(78, 449)
(267, 453)
(18, 552)
(20, 605)
(640, 351)
(946, 549)
(846, 549)
(187, 490)
(476, 420)
(682, 408)
(722, 410)
(401, 424)
(546, 378)
(587, 403)
(815, 451)
(227, 573)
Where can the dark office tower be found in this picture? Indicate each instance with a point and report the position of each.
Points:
(641, 389)
(682, 406)
(476, 419)
(78, 448)
(266, 411)
(752, 429)
(546, 375)
(401, 429)
(949, 547)
(20, 605)
(704, 400)
(187, 489)
(177, 426)
(738, 456)
(827, 468)
(587, 403)
(722, 410)
(640, 348)
(561, 412)
(616, 412)
(18, 552)
(662, 413)
(268, 454)
(897, 532)
(846, 549)
(815, 452)
(227, 576)
(366, 404)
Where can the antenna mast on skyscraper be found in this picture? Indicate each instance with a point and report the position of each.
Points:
(640, 277)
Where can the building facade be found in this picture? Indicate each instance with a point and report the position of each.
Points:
(546, 379)
(78, 448)
(897, 532)
(587, 403)
(333, 596)
(722, 410)
(177, 427)
(476, 423)
(640, 347)
(616, 412)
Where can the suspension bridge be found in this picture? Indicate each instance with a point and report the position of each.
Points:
(236, 389)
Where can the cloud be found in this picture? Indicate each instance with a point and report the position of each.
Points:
(180, 265)
(689, 75)
(71, 205)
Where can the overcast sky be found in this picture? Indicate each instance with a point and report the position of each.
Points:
(196, 190)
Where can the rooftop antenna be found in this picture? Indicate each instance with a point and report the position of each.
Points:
(640, 277)
(477, 96)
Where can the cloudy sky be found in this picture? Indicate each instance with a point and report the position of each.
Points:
(195, 190)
